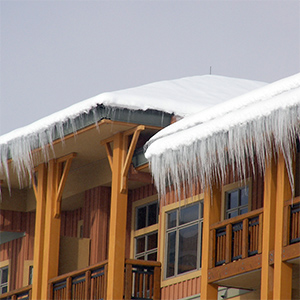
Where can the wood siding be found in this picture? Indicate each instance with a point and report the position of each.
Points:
(21, 249)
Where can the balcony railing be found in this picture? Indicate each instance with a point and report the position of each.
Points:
(88, 283)
(236, 238)
(142, 279)
(19, 294)
(291, 222)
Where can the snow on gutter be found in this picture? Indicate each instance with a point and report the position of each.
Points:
(181, 97)
(200, 147)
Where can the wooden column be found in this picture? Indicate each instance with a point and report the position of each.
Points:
(117, 229)
(212, 214)
(267, 271)
(58, 170)
(282, 271)
(39, 187)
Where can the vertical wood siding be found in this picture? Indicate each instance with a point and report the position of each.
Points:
(69, 222)
(96, 214)
(181, 289)
(21, 249)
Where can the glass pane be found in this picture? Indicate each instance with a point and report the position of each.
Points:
(152, 256)
(232, 199)
(232, 214)
(188, 214)
(152, 241)
(152, 214)
(140, 245)
(141, 217)
(4, 290)
(172, 219)
(171, 254)
(243, 210)
(244, 195)
(4, 278)
(188, 244)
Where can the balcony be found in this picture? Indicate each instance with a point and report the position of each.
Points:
(19, 294)
(236, 245)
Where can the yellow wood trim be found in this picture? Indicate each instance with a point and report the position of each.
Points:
(7, 263)
(233, 186)
(282, 270)
(268, 228)
(162, 239)
(27, 265)
(181, 278)
(117, 228)
(39, 230)
(52, 229)
(34, 183)
(212, 212)
(62, 181)
(136, 133)
(135, 233)
(109, 154)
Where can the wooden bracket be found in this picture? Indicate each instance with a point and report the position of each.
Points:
(128, 157)
(67, 160)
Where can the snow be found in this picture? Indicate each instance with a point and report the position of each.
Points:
(201, 146)
(180, 96)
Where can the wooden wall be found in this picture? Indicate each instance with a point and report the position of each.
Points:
(21, 249)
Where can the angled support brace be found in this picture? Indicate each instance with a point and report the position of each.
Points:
(64, 165)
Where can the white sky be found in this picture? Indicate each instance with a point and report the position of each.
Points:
(56, 53)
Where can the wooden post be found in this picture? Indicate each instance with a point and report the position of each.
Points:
(40, 195)
(128, 281)
(228, 243)
(117, 228)
(212, 213)
(56, 179)
(245, 235)
(156, 284)
(268, 234)
(282, 271)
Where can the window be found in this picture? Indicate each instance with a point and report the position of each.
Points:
(145, 235)
(236, 198)
(237, 202)
(3, 280)
(30, 275)
(28, 272)
(183, 239)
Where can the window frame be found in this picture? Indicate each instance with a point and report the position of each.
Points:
(163, 244)
(235, 186)
(135, 233)
(6, 264)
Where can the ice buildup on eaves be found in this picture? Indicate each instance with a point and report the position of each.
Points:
(200, 147)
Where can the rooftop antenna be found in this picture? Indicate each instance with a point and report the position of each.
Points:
(210, 70)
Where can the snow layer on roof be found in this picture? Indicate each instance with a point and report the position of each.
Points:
(202, 145)
(181, 97)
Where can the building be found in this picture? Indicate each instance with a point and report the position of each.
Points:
(81, 217)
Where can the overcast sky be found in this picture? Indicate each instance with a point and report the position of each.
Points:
(56, 53)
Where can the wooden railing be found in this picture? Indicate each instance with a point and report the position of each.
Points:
(88, 283)
(19, 294)
(291, 229)
(142, 279)
(236, 238)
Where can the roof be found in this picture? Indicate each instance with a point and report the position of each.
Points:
(180, 97)
(195, 146)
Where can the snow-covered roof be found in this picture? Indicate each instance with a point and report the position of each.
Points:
(200, 146)
(180, 97)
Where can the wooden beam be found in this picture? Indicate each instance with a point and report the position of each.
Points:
(62, 181)
(56, 179)
(40, 194)
(136, 175)
(212, 214)
(109, 154)
(136, 133)
(234, 268)
(117, 228)
(282, 270)
(268, 234)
